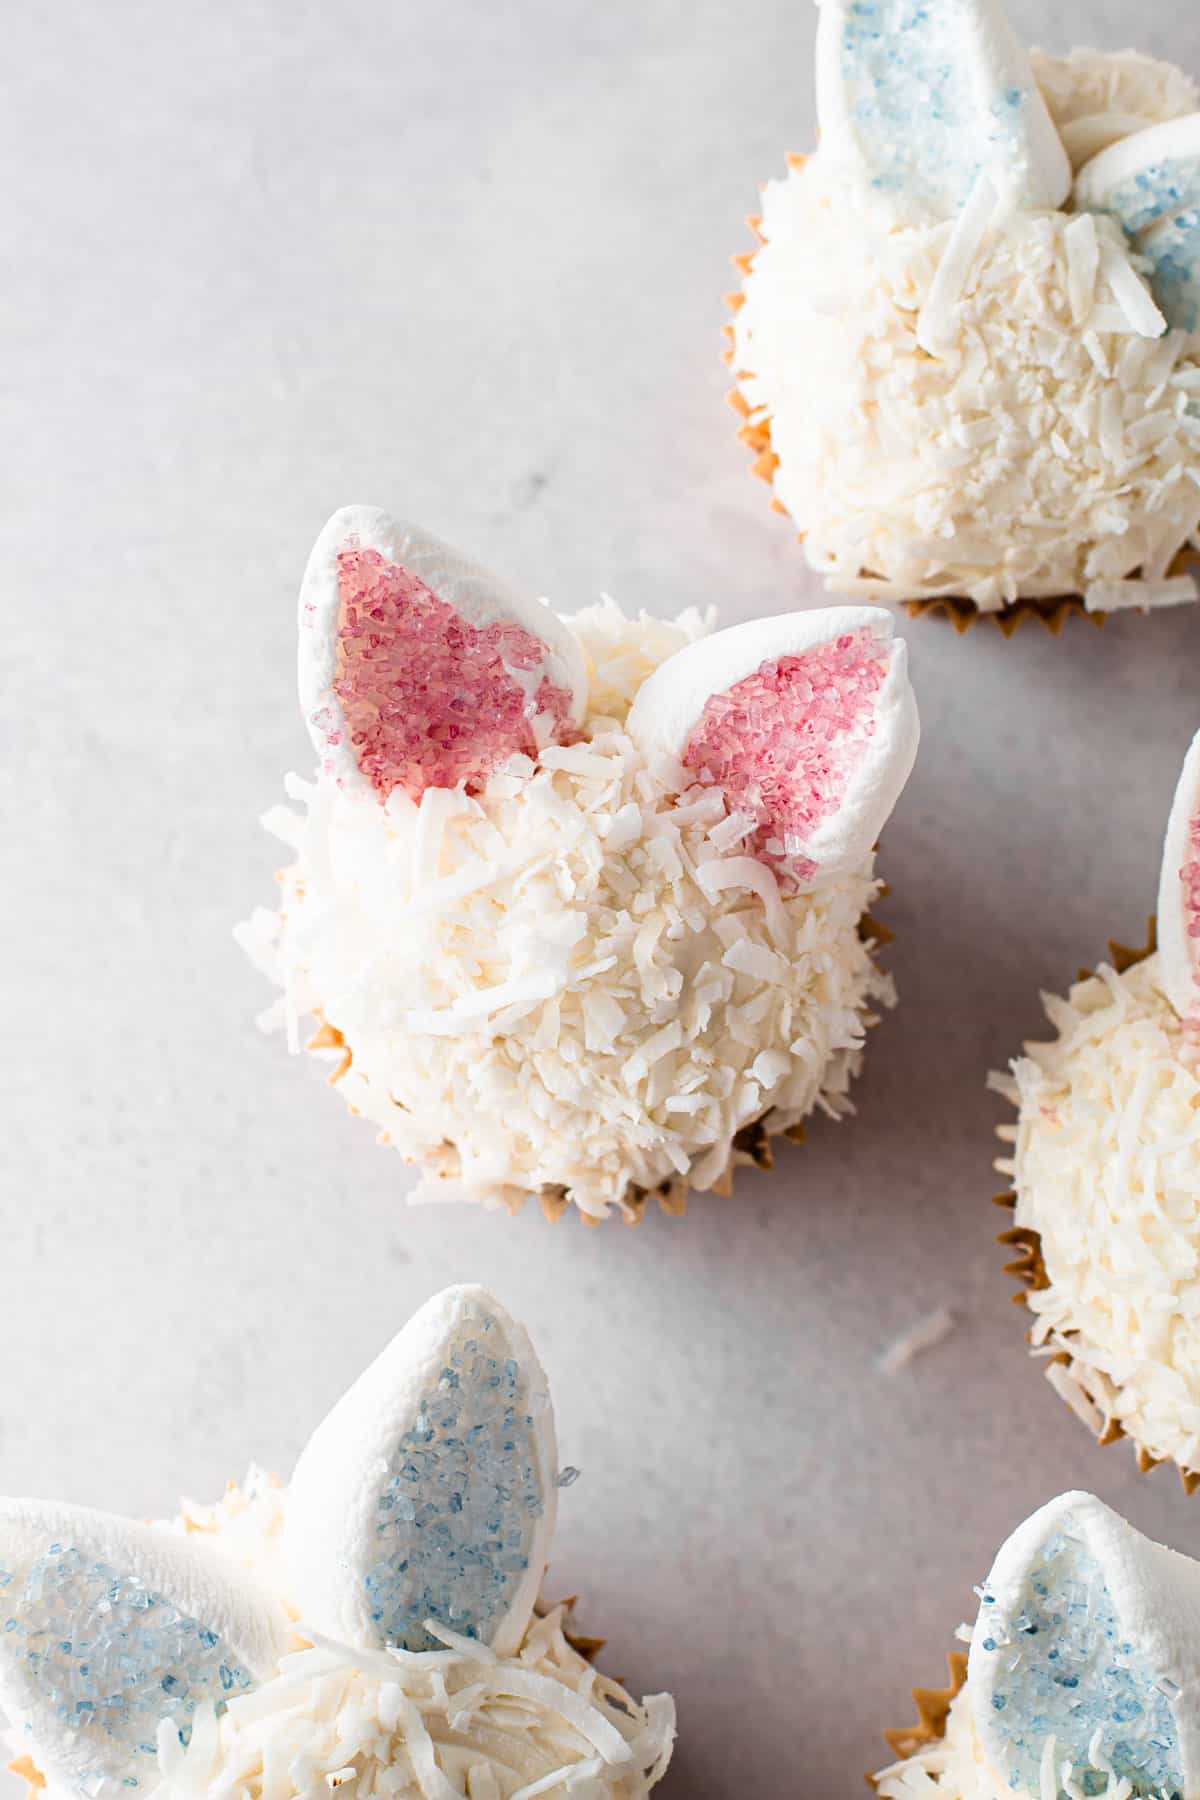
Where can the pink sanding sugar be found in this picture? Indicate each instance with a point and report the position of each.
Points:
(428, 699)
(785, 742)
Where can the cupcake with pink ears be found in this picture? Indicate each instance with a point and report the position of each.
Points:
(1105, 1167)
(579, 906)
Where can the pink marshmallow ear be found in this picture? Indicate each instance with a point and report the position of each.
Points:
(1179, 897)
(111, 1631)
(806, 722)
(418, 669)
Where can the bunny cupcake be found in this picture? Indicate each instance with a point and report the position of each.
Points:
(1106, 1176)
(966, 348)
(375, 1627)
(579, 905)
(1083, 1676)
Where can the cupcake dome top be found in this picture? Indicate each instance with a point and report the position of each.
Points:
(377, 1621)
(1106, 1172)
(579, 921)
(969, 334)
(1084, 1670)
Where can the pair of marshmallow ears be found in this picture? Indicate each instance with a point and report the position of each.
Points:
(923, 97)
(428, 1494)
(418, 670)
(1088, 1633)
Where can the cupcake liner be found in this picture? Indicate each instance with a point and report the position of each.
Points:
(933, 1709)
(962, 613)
(26, 1770)
(751, 1147)
(1028, 1266)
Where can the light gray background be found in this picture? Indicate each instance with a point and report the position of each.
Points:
(466, 260)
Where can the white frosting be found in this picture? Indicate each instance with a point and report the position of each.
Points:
(1047, 447)
(1106, 1167)
(437, 1727)
(577, 980)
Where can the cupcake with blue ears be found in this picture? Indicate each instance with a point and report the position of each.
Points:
(966, 346)
(1104, 1161)
(1082, 1678)
(579, 905)
(375, 1627)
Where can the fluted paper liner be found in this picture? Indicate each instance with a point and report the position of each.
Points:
(933, 1709)
(961, 612)
(751, 1146)
(1028, 1265)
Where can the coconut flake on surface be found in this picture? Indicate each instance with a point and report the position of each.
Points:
(1106, 1167)
(1049, 444)
(459, 1724)
(926, 1334)
(577, 980)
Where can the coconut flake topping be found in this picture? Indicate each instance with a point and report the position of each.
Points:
(1106, 1168)
(580, 980)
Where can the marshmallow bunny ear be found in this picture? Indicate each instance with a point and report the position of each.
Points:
(808, 724)
(1090, 1634)
(922, 97)
(1150, 183)
(109, 1629)
(1179, 894)
(429, 1492)
(417, 668)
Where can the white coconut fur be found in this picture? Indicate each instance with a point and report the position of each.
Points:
(471, 590)
(990, 67)
(1155, 1594)
(193, 1577)
(332, 1519)
(577, 979)
(1106, 1168)
(1179, 954)
(1046, 449)
(669, 705)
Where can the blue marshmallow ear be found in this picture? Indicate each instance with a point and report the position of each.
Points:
(429, 1491)
(107, 1629)
(1150, 183)
(922, 97)
(1089, 1634)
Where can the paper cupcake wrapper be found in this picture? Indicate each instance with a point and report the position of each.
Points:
(933, 1709)
(751, 1147)
(962, 613)
(1029, 1268)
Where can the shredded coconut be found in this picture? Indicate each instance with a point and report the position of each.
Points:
(1049, 444)
(1106, 1168)
(925, 1335)
(459, 1724)
(577, 981)
(953, 1767)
